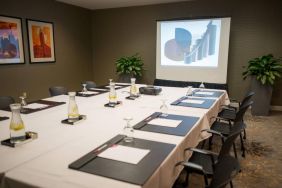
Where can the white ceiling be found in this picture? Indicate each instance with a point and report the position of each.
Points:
(104, 4)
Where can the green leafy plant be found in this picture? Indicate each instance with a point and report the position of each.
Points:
(266, 69)
(130, 65)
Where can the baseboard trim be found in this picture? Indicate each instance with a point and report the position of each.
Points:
(276, 108)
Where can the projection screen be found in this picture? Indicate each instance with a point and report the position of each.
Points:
(193, 50)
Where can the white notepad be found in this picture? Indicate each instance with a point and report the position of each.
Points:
(191, 101)
(205, 93)
(98, 89)
(36, 106)
(165, 122)
(124, 154)
(88, 92)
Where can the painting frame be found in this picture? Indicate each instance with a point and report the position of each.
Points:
(8, 49)
(41, 49)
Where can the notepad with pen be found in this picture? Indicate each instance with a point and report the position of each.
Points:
(171, 124)
(138, 159)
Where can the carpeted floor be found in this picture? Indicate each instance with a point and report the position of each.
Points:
(262, 167)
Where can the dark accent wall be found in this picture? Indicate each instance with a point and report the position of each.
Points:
(72, 29)
(256, 30)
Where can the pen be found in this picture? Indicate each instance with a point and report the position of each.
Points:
(100, 148)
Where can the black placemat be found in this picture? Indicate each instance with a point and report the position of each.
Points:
(131, 173)
(215, 94)
(118, 86)
(181, 130)
(2, 118)
(79, 94)
(50, 104)
(206, 104)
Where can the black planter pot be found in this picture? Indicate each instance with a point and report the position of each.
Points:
(125, 78)
(262, 98)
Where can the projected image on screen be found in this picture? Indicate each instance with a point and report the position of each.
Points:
(190, 43)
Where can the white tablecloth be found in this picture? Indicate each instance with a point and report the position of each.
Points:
(44, 161)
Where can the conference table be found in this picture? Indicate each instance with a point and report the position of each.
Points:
(44, 161)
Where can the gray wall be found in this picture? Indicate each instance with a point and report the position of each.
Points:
(72, 29)
(255, 30)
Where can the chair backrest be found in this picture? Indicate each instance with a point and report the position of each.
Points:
(224, 171)
(237, 128)
(57, 90)
(247, 98)
(90, 84)
(5, 101)
(240, 114)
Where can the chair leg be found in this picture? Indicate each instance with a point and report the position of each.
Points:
(231, 184)
(210, 142)
(245, 134)
(234, 149)
(242, 145)
(203, 144)
(186, 183)
(206, 181)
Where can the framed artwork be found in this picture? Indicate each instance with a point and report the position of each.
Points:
(41, 41)
(11, 40)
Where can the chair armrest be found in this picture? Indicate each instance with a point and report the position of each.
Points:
(229, 107)
(204, 152)
(190, 165)
(213, 132)
(219, 118)
(233, 100)
(201, 151)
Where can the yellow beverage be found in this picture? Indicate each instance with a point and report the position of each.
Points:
(16, 126)
(133, 90)
(73, 113)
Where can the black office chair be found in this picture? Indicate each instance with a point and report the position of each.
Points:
(90, 84)
(210, 164)
(5, 101)
(57, 90)
(223, 128)
(229, 111)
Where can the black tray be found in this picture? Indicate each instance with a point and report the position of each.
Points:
(132, 97)
(131, 173)
(29, 136)
(181, 130)
(80, 119)
(113, 105)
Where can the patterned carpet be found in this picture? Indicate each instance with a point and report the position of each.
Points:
(262, 167)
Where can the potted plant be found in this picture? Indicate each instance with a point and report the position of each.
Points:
(264, 71)
(129, 66)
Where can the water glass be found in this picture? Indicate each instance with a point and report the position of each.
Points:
(128, 130)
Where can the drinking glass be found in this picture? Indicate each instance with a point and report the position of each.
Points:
(164, 108)
(84, 89)
(133, 88)
(189, 91)
(112, 94)
(23, 97)
(128, 130)
(73, 114)
(17, 128)
(202, 86)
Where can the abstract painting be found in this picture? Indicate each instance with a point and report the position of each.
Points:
(11, 42)
(41, 41)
